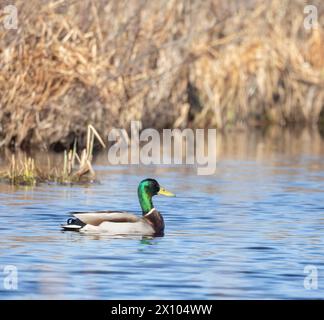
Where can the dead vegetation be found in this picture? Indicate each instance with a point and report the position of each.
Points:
(22, 169)
(174, 63)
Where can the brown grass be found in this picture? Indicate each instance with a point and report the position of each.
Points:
(22, 169)
(170, 63)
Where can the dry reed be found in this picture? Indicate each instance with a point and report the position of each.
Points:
(174, 63)
(23, 170)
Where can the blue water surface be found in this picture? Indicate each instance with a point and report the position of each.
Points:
(246, 232)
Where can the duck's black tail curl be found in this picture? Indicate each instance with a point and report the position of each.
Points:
(73, 224)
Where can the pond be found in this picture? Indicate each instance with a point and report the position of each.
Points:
(246, 232)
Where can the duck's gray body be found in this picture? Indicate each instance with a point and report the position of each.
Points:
(117, 223)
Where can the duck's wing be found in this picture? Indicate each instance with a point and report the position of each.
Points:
(98, 217)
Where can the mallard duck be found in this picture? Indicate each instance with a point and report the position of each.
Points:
(121, 222)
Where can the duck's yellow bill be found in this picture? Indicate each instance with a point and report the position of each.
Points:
(165, 192)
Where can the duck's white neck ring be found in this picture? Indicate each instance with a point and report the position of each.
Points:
(153, 209)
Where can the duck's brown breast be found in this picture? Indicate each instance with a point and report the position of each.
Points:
(155, 219)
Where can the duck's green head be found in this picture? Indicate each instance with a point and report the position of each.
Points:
(146, 190)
